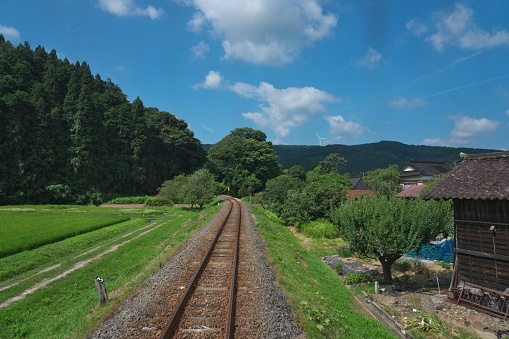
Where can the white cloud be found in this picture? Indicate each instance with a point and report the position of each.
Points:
(464, 131)
(129, 8)
(465, 128)
(265, 32)
(416, 27)
(342, 129)
(200, 50)
(458, 28)
(404, 103)
(10, 33)
(213, 80)
(372, 59)
(282, 109)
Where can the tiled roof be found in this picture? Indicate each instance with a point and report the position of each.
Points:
(427, 168)
(411, 191)
(480, 176)
(359, 184)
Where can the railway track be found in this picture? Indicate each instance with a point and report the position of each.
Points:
(207, 307)
(257, 307)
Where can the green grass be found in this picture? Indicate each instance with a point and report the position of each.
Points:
(319, 229)
(24, 231)
(324, 307)
(69, 307)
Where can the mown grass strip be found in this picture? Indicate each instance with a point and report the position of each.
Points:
(24, 231)
(69, 307)
(323, 306)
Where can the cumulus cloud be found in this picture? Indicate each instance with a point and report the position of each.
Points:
(416, 27)
(265, 32)
(465, 127)
(464, 131)
(404, 103)
(200, 50)
(342, 129)
(371, 59)
(458, 28)
(213, 80)
(282, 109)
(10, 33)
(129, 8)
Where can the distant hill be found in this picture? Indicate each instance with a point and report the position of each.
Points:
(366, 157)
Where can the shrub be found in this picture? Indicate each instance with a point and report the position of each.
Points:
(158, 201)
(129, 200)
(344, 251)
(403, 265)
(357, 278)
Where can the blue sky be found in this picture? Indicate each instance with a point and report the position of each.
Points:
(351, 72)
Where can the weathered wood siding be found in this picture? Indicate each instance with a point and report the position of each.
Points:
(483, 255)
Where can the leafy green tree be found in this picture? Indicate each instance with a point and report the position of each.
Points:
(249, 133)
(236, 157)
(197, 189)
(385, 227)
(277, 190)
(384, 181)
(332, 163)
(175, 189)
(201, 188)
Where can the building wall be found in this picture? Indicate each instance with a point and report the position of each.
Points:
(482, 242)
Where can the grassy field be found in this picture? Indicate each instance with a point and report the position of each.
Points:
(67, 307)
(325, 308)
(21, 231)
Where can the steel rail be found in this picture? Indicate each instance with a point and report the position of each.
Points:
(231, 307)
(172, 324)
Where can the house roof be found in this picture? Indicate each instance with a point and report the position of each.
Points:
(423, 168)
(353, 194)
(482, 176)
(359, 184)
(411, 191)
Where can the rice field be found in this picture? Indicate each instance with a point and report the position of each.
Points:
(25, 231)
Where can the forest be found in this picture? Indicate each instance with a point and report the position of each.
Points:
(67, 136)
(366, 157)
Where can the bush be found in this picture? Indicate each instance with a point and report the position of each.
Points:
(129, 200)
(357, 278)
(344, 251)
(403, 265)
(158, 201)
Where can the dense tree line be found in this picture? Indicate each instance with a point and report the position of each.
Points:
(69, 136)
(366, 157)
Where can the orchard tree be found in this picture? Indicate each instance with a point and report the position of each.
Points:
(385, 227)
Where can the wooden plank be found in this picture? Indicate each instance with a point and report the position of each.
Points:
(483, 254)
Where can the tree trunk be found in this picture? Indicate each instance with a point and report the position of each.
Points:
(387, 266)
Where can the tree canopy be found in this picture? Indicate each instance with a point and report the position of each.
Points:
(385, 227)
(242, 161)
(68, 136)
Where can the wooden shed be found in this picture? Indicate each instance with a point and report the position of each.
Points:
(479, 188)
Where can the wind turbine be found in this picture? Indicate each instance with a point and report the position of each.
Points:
(320, 139)
(276, 141)
(371, 137)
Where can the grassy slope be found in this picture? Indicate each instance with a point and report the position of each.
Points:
(324, 307)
